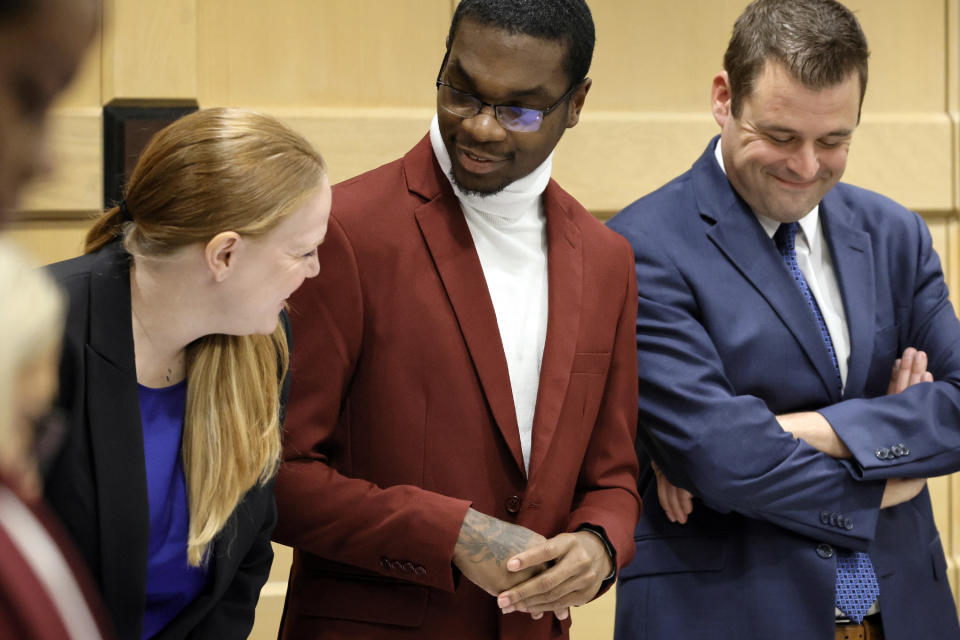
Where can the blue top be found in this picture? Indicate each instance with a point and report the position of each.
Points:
(171, 583)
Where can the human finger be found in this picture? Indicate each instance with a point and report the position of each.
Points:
(906, 366)
(919, 367)
(544, 553)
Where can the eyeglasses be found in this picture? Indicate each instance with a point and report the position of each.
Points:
(510, 117)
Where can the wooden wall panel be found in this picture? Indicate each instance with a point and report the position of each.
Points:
(50, 240)
(270, 607)
(660, 55)
(150, 49)
(76, 181)
(74, 142)
(336, 53)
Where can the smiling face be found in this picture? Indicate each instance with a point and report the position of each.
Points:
(269, 268)
(789, 145)
(39, 52)
(499, 67)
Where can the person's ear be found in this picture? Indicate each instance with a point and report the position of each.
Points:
(576, 103)
(220, 254)
(721, 98)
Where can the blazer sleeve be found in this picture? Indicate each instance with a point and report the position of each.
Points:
(606, 496)
(728, 449)
(233, 613)
(912, 434)
(322, 511)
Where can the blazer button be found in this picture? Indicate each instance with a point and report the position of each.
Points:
(396, 565)
(834, 519)
(847, 524)
(883, 454)
(825, 551)
(408, 567)
(419, 571)
(513, 504)
(385, 563)
(825, 517)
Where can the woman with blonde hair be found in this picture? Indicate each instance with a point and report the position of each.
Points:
(175, 352)
(44, 592)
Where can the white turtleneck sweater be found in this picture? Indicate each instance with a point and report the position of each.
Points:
(509, 232)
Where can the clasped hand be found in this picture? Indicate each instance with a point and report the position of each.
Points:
(527, 572)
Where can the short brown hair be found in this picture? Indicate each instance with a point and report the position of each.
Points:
(820, 43)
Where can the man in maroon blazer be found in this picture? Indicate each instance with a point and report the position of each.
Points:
(459, 456)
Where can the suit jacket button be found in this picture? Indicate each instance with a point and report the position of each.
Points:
(883, 454)
(825, 551)
(834, 519)
(419, 571)
(824, 517)
(847, 524)
(408, 567)
(513, 504)
(396, 565)
(385, 563)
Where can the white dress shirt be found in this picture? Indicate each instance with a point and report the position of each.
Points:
(816, 264)
(510, 235)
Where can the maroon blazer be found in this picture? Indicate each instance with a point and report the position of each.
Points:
(401, 414)
(27, 609)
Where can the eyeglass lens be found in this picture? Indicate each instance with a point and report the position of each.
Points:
(510, 117)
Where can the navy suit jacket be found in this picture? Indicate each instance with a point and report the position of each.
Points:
(726, 341)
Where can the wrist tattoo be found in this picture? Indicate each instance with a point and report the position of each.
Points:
(484, 539)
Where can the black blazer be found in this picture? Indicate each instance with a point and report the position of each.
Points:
(98, 484)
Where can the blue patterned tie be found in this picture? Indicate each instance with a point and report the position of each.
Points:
(856, 580)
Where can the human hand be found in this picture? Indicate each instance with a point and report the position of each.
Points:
(908, 370)
(677, 503)
(813, 428)
(484, 546)
(899, 490)
(580, 563)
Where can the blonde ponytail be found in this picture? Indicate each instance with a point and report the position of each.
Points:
(231, 437)
(211, 171)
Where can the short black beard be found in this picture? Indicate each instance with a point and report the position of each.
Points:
(474, 192)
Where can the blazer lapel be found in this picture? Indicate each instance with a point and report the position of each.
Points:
(448, 239)
(565, 287)
(116, 437)
(852, 255)
(735, 230)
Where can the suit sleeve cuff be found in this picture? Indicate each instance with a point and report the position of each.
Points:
(611, 552)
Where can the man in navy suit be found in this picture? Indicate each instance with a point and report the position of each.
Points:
(774, 303)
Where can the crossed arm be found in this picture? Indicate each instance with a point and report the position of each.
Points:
(814, 429)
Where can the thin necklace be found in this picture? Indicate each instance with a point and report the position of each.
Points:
(168, 376)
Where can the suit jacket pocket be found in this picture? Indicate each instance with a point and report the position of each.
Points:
(367, 598)
(590, 363)
(938, 558)
(886, 348)
(675, 554)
